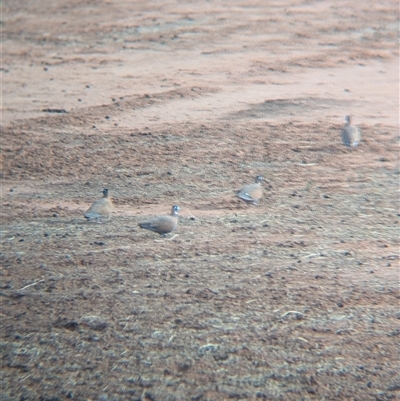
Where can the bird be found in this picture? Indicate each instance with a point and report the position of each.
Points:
(351, 135)
(162, 224)
(100, 208)
(251, 193)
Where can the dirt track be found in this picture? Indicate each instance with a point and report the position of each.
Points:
(165, 103)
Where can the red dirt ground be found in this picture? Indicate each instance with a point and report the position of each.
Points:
(169, 103)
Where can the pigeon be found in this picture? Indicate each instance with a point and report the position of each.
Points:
(351, 135)
(252, 193)
(162, 224)
(101, 208)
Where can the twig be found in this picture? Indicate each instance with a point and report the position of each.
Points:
(30, 374)
(302, 339)
(291, 311)
(346, 331)
(30, 285)
(103, 250)
(313, 254)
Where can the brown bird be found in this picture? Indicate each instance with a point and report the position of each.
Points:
(350, 134)
(101, 208)
(162, 224)
(252, 193)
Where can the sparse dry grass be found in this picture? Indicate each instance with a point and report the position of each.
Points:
(296, 299)
(293, 299)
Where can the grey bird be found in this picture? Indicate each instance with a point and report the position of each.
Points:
(350, 134)
(103, 207)
(252, 193)
(162, 224)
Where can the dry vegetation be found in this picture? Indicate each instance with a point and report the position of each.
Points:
(296, 299)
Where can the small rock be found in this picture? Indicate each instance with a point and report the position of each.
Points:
(394, 387)
(72, 325)
(183, 366)
(94, 322)
(149, 396)
(394, 333)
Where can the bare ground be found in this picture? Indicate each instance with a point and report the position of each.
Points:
(165, 103)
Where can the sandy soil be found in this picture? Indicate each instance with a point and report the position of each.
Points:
(169, 103)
